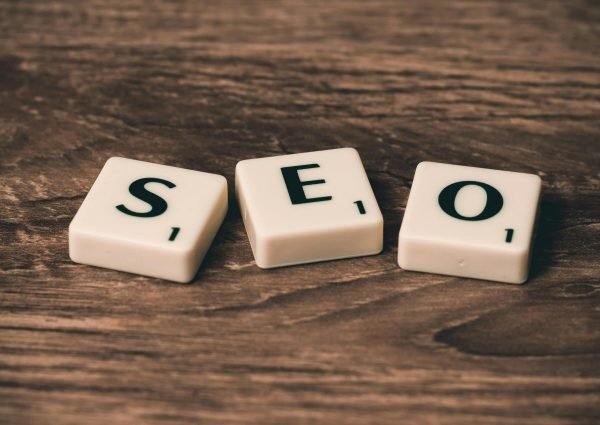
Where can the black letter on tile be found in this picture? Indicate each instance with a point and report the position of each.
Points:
(174, 233)
(493, 204)
(137, 189)
(361, 207)
(294, 184)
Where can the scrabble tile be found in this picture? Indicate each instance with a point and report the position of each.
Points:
(470, 222)
(308, 207)
(149, 219)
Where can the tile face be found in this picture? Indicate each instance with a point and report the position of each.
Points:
(308, 207)
(148, 219)
(470, 222)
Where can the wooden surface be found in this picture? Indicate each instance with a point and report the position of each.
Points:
(509, 85)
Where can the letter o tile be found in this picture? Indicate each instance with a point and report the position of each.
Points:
(470, 222)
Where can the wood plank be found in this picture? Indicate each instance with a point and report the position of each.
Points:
(202, 85)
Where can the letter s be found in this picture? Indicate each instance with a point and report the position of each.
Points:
(138, 189)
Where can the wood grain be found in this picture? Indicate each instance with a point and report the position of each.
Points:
(202, 85)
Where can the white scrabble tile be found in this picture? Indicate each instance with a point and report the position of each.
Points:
(149, 219)
(470, 222)
(308, 207)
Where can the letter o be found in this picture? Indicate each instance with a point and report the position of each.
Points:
(492, 207)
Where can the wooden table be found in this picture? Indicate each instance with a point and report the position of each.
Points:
(202, 85)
